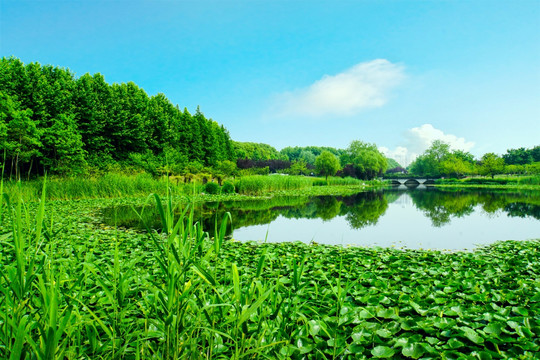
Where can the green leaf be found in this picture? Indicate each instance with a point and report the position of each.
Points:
(384, 333)
(382, 352)
(520, 311)
(304, 345)
(247, 312)
(356, 349)
(314, 327)
(414, 351)
(494, 328)
(454, 343)
(472, 335)
(387, 314)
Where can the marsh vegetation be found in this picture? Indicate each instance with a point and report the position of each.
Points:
(72, 288)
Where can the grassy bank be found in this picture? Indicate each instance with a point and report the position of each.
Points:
(107, 186)
(71, 290)
(511, 181)
(115, 185)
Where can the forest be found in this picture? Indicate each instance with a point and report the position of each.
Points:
(52, 122)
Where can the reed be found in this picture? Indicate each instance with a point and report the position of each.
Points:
(260, 184)
(107, 186)
(337, 181)
(72, 291)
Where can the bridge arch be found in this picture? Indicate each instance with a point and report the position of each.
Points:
(411, 181)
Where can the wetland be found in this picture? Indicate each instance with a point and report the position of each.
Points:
(424, 217)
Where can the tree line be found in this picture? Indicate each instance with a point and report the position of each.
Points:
(54, 122)
(440, 161)
(51, 121)
(360, 160)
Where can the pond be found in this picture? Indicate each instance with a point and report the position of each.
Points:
(422, 217)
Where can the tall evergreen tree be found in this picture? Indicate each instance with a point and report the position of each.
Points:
(51, 121)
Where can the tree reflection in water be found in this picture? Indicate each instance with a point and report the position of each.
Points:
(443, 205)
(360, 210)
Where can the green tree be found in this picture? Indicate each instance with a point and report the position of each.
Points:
(298, 168)
(327, 164)
(366, 159)
(226, 167)
(65, 153)
(429, 163)
(255, 151)
(519, 156)
(69, 122)
(535, 153)
(491, 164)
(392, 164)
(93, 101)
(453, 165)
(19, 136)
(308, 157)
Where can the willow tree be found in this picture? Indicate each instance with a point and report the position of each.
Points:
(366, 160)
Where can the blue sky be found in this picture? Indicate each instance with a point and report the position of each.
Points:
(396, 73)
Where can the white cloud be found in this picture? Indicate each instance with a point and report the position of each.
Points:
(365, 85)
(419, 139)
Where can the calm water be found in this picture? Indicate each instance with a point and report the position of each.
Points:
(413, 218)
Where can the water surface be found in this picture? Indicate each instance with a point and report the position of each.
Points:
(423, 217)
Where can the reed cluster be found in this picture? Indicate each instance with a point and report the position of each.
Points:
(70, 290)
(259, 184)
(109, 185)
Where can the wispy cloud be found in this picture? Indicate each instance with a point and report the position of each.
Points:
(365, 85)
(419, 139)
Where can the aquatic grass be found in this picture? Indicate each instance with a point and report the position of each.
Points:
(110, 185)
(510, 181)
(338, 181)
(259, 184)
(264, 184)
(177, 293)
(30, 324)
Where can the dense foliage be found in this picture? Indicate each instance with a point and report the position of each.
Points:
(327, 164)
(363, 161)
(439, 161)
(51, 121)
(302, 160)
(522, 156)
(308, 153)
(256, 151)
(91, 291)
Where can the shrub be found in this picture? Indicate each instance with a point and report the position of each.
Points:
(227, 188)
(211, 188)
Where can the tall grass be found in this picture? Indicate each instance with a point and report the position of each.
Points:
(259, 184)
(107, 186)
(113, 185)
(503, 180)
(529, 180)
(337, 181)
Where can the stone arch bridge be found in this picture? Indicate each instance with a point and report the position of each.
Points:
(411, 181)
